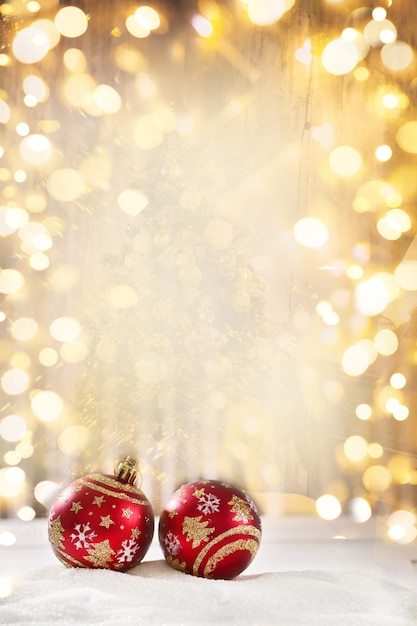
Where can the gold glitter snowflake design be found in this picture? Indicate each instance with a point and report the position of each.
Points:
(196, 530)
(241, 508)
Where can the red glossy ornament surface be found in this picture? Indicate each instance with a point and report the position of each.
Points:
(211, 529)
(100, 521)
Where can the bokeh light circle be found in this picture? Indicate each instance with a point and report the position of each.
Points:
(65, 184)
(386, 341)
(265, 12)
(355, 448)
(132, 201)
(377, 478)
(397, 56)
(371, 296)
(328, 507)
(345, 161)
(407, 137)
(47, 405)
(355, 360)
(65, 329)
(406, 274)
(340, 57)
(359, 510)
(11, 281)
(12, 481)
(15, 381)
(311, 232)
(30, 45)
(71, 21)
(12, 427)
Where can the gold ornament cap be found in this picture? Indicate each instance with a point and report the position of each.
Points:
(127, 470)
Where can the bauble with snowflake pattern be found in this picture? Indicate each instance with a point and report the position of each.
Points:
(211, 529)
(102, 521)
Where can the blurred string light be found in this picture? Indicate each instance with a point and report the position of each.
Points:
(380, 197)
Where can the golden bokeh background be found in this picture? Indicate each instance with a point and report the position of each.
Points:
(208, 259)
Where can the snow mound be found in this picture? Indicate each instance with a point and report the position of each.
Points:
(154, 594)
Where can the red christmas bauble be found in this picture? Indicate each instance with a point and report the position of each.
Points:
(102, 521)
(211, 529)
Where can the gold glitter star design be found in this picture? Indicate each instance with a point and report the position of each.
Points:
(241, 508)
(198, 493)
(134, 533)
(196, 530)
(100, 554)
(127, 513)
(76, 506)
(106, 521)
(56, 533)
(172, 513)
(98, 500)
(78, 488)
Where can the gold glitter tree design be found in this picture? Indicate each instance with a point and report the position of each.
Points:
(241, 508)
(56, 533)
(100, 554)
(196, 530)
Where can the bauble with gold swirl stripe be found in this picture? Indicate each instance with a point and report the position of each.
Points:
(102, 521)
(211, 529)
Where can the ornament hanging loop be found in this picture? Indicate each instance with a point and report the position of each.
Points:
(127, 470)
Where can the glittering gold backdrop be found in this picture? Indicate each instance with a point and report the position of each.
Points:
(207, 252)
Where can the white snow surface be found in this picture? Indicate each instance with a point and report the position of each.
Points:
(153, 593)
(304, 573)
